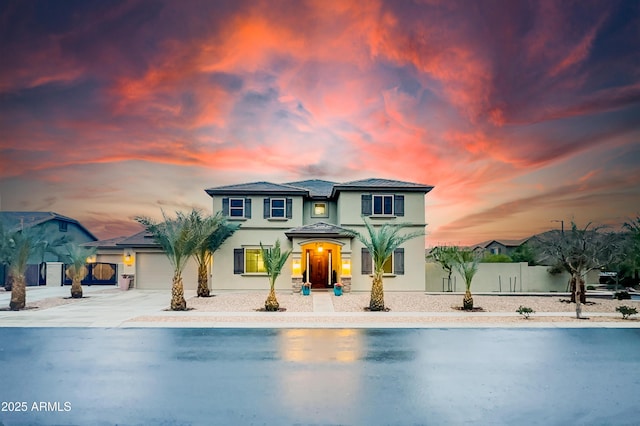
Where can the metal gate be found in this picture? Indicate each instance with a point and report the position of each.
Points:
(97, 274)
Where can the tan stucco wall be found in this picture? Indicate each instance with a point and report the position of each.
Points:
(489, 276)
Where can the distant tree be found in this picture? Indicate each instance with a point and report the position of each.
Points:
(381, 243)
(466, 263)
(578, 251)
(274, 260)
(496, 258)
(632, 248)
(445, 256)
(214, 231)
(76, 257)
(524, 253)
(179, 240)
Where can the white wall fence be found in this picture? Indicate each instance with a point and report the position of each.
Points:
(505, 277)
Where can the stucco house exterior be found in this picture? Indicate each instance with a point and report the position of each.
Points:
(311, 218)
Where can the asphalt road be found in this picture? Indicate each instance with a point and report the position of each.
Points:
(81, 376)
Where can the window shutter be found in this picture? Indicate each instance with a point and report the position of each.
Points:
(247, 208)
(366, 204)
(225, 207)
(367, 262)
(398, 205)
(267, 208)
(238, 261)
(289, 208)
(398, 261)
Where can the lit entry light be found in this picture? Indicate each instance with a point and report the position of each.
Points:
(128, 259)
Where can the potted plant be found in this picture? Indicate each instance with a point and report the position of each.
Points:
(337, 289)
(306, 289)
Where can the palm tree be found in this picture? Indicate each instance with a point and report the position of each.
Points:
(381, 243)
(274, 260)
(179, 240)
(76, 256)
(17, 247)
(466, 263)
(214, 230)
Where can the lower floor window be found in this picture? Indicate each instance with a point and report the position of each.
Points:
(248, 261)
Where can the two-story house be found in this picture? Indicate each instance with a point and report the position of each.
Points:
(312, 218)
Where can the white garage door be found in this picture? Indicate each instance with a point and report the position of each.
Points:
(154, 272)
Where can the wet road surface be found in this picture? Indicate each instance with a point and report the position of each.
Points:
(200, 376)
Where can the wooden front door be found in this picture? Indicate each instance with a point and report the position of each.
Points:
(318, 276)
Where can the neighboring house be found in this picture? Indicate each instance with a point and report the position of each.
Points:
(312, 218)
(56, 225)
(499, 246)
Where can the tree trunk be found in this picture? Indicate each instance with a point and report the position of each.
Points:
(203, 282)
(76, 287)
(8, 285)
(18, 292)
(271, 304)
(580, 297)
(575, 277)
(177, 294)
(467, 302)
(377, 294)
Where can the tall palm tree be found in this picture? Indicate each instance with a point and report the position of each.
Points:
(274, 260)
(76, 257)
(215, 230)
(466, 263)
(381, 243)
(179, 240)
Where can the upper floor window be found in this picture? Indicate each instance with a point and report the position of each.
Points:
(319, 210)
(278, 208)
(236, 208)
(382, 205)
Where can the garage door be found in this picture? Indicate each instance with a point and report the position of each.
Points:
(154, 272)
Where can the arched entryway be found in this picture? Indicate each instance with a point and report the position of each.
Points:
(321, 263)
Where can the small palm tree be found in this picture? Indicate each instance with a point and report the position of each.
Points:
(381, 243)
(466, 263)
(76, 257)
(274, 260)
(214, 230)
(179, 240)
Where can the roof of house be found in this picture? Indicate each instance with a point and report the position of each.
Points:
(141, 239)
(319, 229)
(16, 220)
(256, 188)
(381, 184)
(317, 187)
(506, 243)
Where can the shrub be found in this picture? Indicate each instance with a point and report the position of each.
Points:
(590, 287)
(626, 311)
(525, 311)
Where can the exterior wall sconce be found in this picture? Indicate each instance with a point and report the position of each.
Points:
(346, 266)
(92, 259)
(128, 259)
(297, 267)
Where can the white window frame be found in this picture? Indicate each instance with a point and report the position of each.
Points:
(241, 209)
(283, 208)
(382, 197)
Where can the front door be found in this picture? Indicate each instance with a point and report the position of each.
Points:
(319, 269)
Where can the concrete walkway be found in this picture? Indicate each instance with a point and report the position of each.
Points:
(106, 306)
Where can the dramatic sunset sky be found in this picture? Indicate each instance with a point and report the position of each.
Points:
(518, 112)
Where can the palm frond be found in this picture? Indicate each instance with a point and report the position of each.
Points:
(274, 259)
